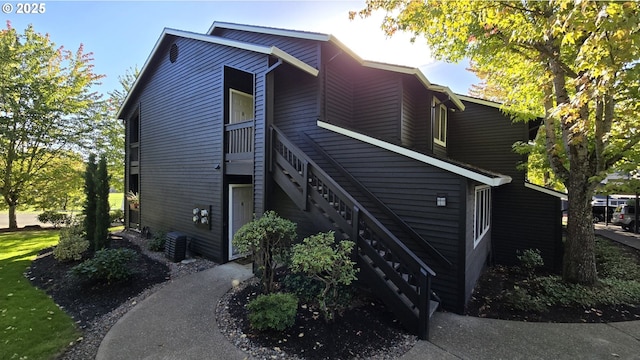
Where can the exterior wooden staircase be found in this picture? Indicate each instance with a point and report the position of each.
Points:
(400, 278)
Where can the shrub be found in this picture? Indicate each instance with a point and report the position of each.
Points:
(613, 262)
(520, 299)
(89, 208)
(317, 258)
(103, 220)
(106, 265)
(116, 216)
(530, 260)
(268, 238)
(72, 244)
(55, 218)
(275, 311)
(157, 241)
(306, 288)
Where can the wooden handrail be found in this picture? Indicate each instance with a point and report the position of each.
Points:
(406, 227)
(376, 242)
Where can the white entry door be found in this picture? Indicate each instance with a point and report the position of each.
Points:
(240, 212)
(241, 106)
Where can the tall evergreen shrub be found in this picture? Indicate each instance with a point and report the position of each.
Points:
(89, 208)
(103, 220)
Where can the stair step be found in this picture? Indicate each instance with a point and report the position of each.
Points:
(433, 307)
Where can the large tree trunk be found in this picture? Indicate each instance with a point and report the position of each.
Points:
(13, 222)
(579, 265)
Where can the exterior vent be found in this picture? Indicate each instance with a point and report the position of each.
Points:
(173, 53)
(176, 246)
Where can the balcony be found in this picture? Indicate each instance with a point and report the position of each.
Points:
(239, 140)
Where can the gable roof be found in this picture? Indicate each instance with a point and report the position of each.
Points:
(306, 35)
(546, 190)
(267, 50)
(483, 176)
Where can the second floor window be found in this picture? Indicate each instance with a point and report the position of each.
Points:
(440, 123)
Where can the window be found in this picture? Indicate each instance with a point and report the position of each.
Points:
(482, 213)
(440, 123)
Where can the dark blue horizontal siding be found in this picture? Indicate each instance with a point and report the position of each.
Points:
(409, 188)
(181, 138)
(305, 50)
(522, 218)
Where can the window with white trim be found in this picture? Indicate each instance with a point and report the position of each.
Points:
(439, 122)
(482, 213)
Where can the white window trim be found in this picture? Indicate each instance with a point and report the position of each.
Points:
(480, 231)
(437, 110)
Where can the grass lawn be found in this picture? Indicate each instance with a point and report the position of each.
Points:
(31, 324)
(115, 200)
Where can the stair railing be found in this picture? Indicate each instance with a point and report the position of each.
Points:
(404, 273)
(392, 214)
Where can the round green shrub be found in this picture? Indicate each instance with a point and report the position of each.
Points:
(108, 265)
(72, 244)
(157, 242)
(55, 218)
(275, 311)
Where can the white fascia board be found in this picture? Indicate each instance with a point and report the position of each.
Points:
(330, 38)
(294, 61)
(142, 70)
(546, 190)
(269, 30)
(268, 50)
(420, 75)
(489, 103)
(491, 181)
(484, 102)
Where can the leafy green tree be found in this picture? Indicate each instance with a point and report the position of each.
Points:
(45, 105)
(269, 239)
(574, 63)
(320, 257)
(110, 134)
(90, 204)
(103, 219)
(59, 185)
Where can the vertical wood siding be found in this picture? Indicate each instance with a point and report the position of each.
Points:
(181, 139)
(522, 218)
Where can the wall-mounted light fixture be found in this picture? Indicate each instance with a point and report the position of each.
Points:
(441, 200)
(217, 167)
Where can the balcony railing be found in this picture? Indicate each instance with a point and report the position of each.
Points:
(239, 138)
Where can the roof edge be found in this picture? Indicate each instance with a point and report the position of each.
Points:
(269, 30)
(331, 38)
(546, 190)
(491, 181)
(267, 50)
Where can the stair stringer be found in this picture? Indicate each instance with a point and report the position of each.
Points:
(403, 280)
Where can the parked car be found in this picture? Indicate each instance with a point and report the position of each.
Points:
(599, 211)
(625, 216)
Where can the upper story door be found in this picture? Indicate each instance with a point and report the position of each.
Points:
(241, 106)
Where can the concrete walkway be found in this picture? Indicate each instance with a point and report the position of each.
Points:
(178, 322)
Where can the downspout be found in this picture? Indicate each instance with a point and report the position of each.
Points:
(269, 102)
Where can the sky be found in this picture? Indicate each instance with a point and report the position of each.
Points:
(122, 34)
